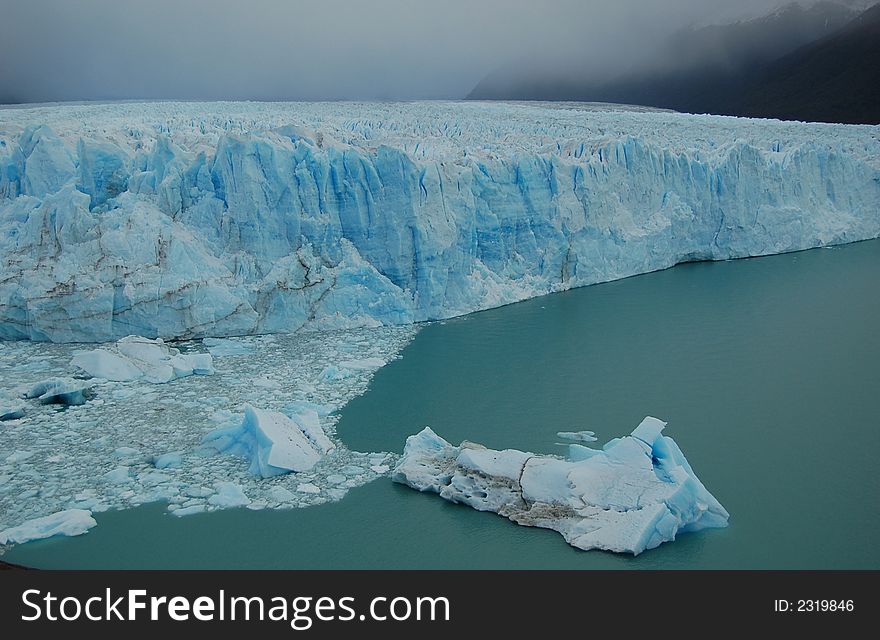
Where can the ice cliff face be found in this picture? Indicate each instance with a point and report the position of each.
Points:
(187, 220)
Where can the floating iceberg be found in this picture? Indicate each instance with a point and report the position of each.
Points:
(634, 494)
(60, 391)
(186, 220)
(577, 436)
(70, 522)
(228, 496)
(135, 358)
(10, 412)
(273, 442)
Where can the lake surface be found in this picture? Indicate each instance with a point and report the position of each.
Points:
(767, 371)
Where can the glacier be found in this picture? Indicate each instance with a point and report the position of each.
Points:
(632, 495)
(192, 220)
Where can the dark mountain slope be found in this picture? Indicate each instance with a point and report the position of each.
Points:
(836, 79)
(806, 64)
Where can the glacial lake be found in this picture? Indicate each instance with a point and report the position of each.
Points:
(767, 371)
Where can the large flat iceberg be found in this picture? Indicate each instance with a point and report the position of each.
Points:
(633, 494)
(187, 220)
(70, 522)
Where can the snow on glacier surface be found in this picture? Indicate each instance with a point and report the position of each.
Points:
(635, 493)
(136, 442)
(214, 219)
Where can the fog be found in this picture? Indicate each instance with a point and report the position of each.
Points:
(54, 50)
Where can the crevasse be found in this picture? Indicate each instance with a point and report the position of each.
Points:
(181, 220)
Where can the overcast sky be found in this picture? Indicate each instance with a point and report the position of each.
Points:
(315, 49)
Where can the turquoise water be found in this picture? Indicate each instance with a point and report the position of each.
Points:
(767, 370)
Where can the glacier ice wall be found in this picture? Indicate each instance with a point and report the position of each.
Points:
(183, 220)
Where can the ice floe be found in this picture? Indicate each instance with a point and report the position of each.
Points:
(577, 436)
(11, 412)
(633, 494)
(70, 522)
(135, 358)
(137, 442)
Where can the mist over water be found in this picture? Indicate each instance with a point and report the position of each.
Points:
(55, 50)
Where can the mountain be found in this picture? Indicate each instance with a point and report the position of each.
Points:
(742, 68)
(836, 79)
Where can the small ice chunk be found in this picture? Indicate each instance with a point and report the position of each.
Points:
(578, 436)
(363, 364)
(11, 412)
(228, 495)
(71, 522)
(266, 383)
(19, 456)
(308, 487)
(168, 460)
(332, 373)
(189, 511)
(280, 494)
(223, 347)
(154, 478)
(323, 410)
(119, 475)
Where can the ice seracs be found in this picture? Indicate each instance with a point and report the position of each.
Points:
(274, 442)
(633, 494)
(136, 358)
(196, 220)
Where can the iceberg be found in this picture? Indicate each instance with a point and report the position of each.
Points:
(11, 412)
(135, 358)
(70, 522)
(633, 494)
(60, 391)
(273, 442)
(188, 220)
(577, 436)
